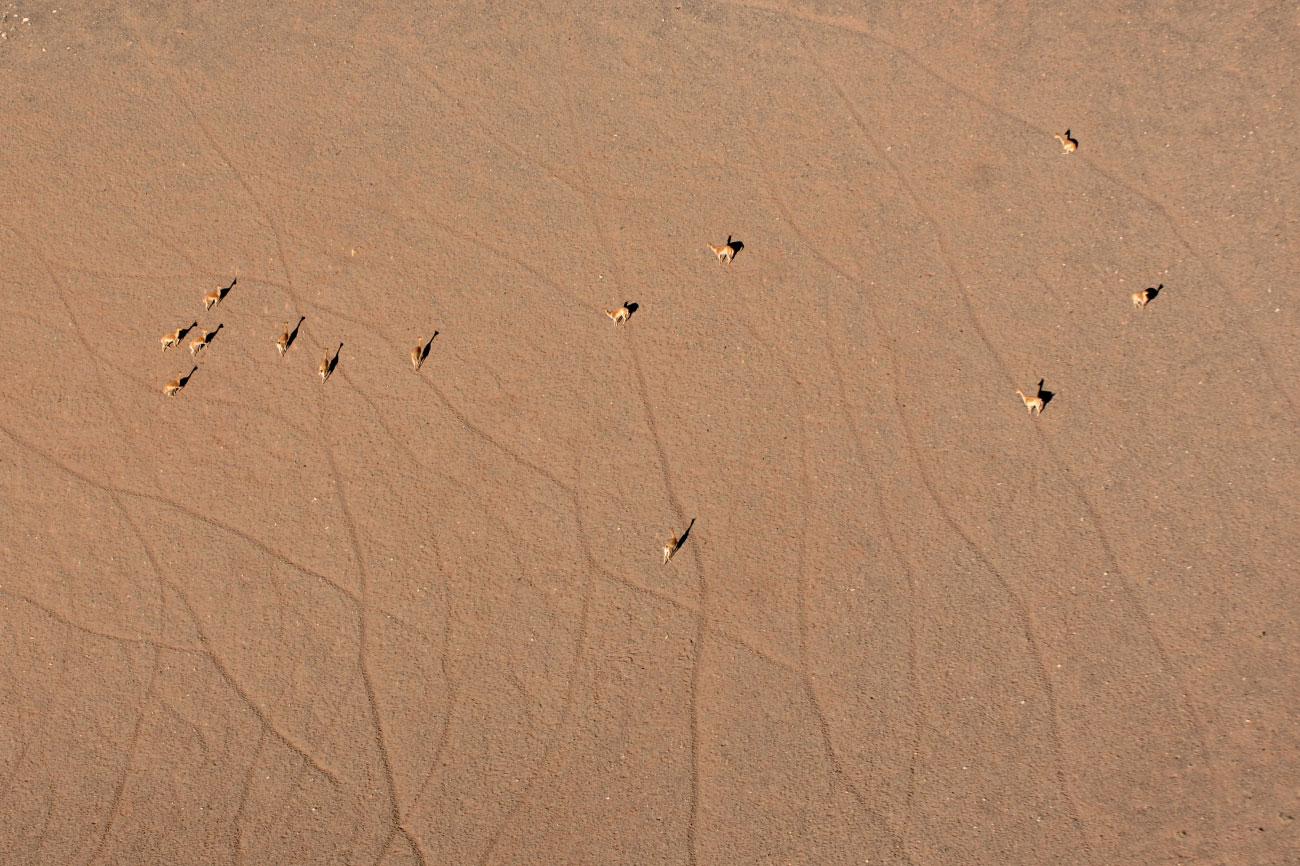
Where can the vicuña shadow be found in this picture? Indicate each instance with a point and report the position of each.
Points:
(1045, 396)
(686, 534)
(293, 335)
(424, 350)
(334, 362)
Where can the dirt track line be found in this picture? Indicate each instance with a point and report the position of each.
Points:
(580, 641)
(216, 659)
(837, 765)
(575, 669)
(701, 620)
(464, 420)
(149, 54)
(444, 736)
(805, 669)
(424, 467)
(119, 788)
(7, 785)
(498, 252)
(474, 429)
(113, 491)
(491, 440)
(207, 650)
(68, 622)
(363, 667)
(547, 751)
(802, 669)
(113, 497)
(104, 363)
(485, 130)
(153, 678)
(1018, 605)
(579, 651)
(237, 819)
(146, 232)
(168, 709)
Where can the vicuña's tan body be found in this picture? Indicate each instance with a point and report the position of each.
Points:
(620, 315)
(174, 338)
(327, 365)
(724, 252)
(174, 385)
(283, 342)
(200, 341)
(215, 296)
(671, 547)
(1069, 144)
(1033, 405)
(1140, 299)
(417, 355)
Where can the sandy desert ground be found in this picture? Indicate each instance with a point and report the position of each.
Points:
(422, 618)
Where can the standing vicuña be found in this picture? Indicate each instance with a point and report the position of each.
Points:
(725, 252)
(1034, 405)
(620, 315)
(287, 338)
(671, 547)
(203, 339)
(217, 295)
(178, 383)
(327, 365)
(175, 337)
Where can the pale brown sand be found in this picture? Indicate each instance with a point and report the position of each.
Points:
(398, 618)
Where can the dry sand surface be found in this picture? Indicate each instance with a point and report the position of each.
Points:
(407, 617)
